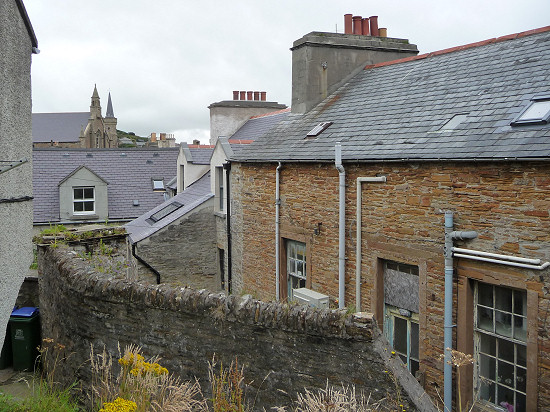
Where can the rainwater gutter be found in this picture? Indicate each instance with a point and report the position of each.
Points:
(378, 179)
(341, 226)
(500, 259)
(227, 167)
(277, 237)
(144, 263)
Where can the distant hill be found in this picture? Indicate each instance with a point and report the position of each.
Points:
(132, 136)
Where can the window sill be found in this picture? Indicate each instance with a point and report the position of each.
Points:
(220, 214)
(84, 217)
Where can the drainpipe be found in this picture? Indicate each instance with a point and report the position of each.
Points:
(358, 217)
(144, 263)
(450, 235)
(277, 240)
(227, 167)
(341, 226)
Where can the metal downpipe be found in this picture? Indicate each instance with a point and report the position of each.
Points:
(341, 226)
(448, 323)
(227, 167)
(277, 237)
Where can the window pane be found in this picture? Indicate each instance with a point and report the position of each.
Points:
(506, 374)
(520, 403)
(300, 268)
(78, 206)
(485, 319)
(414, 341)
(520, 328)
(506, 350)
(520, 303)
(487, 391)
(538, 110)
(503, 299)
(485, 294)
(521, 355)
(488, 344)
(400, 335)
(78, 193)
(521, 379)
(504, 395)
(88, 193)
(88, 206)
(487, 367)
(503, 324)
(414, 367)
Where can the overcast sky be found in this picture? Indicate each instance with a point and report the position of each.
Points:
(165, 61)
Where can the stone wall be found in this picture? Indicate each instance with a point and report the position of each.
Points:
(282, 348)
(184, 253)
(508, 204)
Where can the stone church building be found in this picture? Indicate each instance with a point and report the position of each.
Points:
(77, 129)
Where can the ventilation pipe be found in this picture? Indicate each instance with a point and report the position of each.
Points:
(277, 237)
(341, 226)
(358, 217)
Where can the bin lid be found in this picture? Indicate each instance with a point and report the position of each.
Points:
(25, 312)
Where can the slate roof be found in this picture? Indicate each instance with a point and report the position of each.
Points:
(193, 196)
(59, 127)
(396, 110)
(128, 172)
(201, 154)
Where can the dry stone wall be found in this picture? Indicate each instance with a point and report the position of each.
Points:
(282, 348)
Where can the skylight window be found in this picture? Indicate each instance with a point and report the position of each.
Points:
(317, 130)
(538, 112)
(158, 185)
(454, 122)
(162, 213)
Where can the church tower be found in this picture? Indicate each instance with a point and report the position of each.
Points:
(111, 139)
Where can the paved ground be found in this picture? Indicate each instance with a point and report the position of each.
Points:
(17, 384)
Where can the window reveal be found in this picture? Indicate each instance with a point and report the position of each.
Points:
(296, 265)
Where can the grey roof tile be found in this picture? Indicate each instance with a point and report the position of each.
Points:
(59, 127)
(194, 195)
(407, 100)
(128, 176)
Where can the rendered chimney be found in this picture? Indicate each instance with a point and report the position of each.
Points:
(348, 23)
(345, 55)
(357, 25)
(373, 25)
(235, 95)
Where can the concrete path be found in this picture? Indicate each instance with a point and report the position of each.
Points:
(16, 384)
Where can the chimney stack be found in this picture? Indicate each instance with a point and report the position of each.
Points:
(196, 142)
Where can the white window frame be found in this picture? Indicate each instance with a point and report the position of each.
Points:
(158, 185)
(296, 257)
(410, 359)
(84, 200)
(500, 357)
(220, 188)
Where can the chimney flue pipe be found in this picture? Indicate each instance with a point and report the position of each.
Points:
(373, 25)
(348, 18)
(357, 25)
(366, 27)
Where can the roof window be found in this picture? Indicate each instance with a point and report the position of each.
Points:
(454, 122)
(537, 112)
(158, 185)
(165, 211)
(317, 130)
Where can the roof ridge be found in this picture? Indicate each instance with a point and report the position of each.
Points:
(200, 146)
(271, 113)
(459, 48)
(240, 141)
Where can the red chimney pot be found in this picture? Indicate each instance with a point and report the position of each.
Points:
(249, 95)
(374, 25)
(348, 23)
(366, 27)
(235, 95)
(243, 95)
(256, 95)
(263, 96)
(357, 23)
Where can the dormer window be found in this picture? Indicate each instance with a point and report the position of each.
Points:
(83, 200)
(537, 112)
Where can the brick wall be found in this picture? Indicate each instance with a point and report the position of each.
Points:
(506, 203)
(283, 348)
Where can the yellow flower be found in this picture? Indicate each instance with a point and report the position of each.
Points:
(119, 405)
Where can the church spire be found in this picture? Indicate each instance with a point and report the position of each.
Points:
(109, 112)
